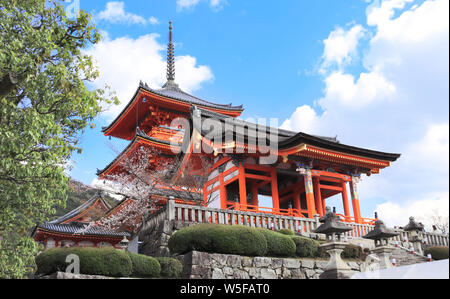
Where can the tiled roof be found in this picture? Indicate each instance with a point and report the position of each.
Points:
(75, 228)
(282, 134)
(174, 92)
(286, 139)
(79, 209)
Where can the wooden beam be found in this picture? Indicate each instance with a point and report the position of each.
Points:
(258, 177)
(328, 187)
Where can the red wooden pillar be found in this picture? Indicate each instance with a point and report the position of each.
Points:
(345, 200)
(223, 192)
(296, 203)
(309, 194)
(274, 185)
(355, 200)
(318, 196)
(255, 200)
(242, 187)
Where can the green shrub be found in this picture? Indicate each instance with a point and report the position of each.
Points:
(217, 238)
(170, 267)
(305, 247)
(278, 244)
(352, 251)
(286, 231)
(93, 261)
(144, 266)
(437, 252)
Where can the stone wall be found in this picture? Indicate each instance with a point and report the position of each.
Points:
(155, 239)
(201, 265)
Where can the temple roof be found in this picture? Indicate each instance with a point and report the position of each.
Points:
(77, 211)
(74, 228)
(176, 99)
(285, 139)
(174, 92)
(139, 136)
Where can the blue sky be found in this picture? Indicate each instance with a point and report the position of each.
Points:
(374, 73)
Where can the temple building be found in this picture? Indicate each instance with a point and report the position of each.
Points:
(63, 231)
(298, 171)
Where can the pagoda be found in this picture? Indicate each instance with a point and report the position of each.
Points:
(300, 172)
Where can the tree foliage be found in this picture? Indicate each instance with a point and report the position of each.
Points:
(44, 106)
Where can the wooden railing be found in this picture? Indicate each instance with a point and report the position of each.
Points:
(429, 238)
(200, 214)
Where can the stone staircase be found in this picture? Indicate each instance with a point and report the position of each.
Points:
(404, 257)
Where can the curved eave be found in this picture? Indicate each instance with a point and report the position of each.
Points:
(80, 211)
(292, 144)
(162, 145)
(40, 230)
(128, 114)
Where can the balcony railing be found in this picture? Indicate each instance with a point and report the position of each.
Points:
(198, 214)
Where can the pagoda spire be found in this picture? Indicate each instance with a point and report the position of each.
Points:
(170, 62)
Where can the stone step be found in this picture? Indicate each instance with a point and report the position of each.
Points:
(404, 257)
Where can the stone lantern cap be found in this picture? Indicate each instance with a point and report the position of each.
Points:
(331, 224)
(413, 225)
(380, 232)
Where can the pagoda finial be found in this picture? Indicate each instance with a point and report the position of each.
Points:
(170, 62)
(170, 57)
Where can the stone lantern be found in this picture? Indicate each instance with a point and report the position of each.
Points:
(333, 228)
(381, 234)
(124, 243)
(415, 234)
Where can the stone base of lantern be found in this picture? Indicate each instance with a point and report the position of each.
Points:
(383, 253)
(336, 267)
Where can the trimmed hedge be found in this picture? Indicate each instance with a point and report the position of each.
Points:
(170, 267)
(144, 266)
(437, 252)
(217, 238)
(305, 247)
(286, 231)
(278, 244)
(351, 251)
(93, 261)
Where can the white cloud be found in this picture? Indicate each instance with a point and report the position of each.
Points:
(304, 119)
(215, 5)
(341, 89)
(124, 61)
(115, 13)
(399, 103)
(340, 46)
(153, 20)
(421, 208)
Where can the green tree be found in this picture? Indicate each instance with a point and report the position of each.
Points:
(44, 107)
